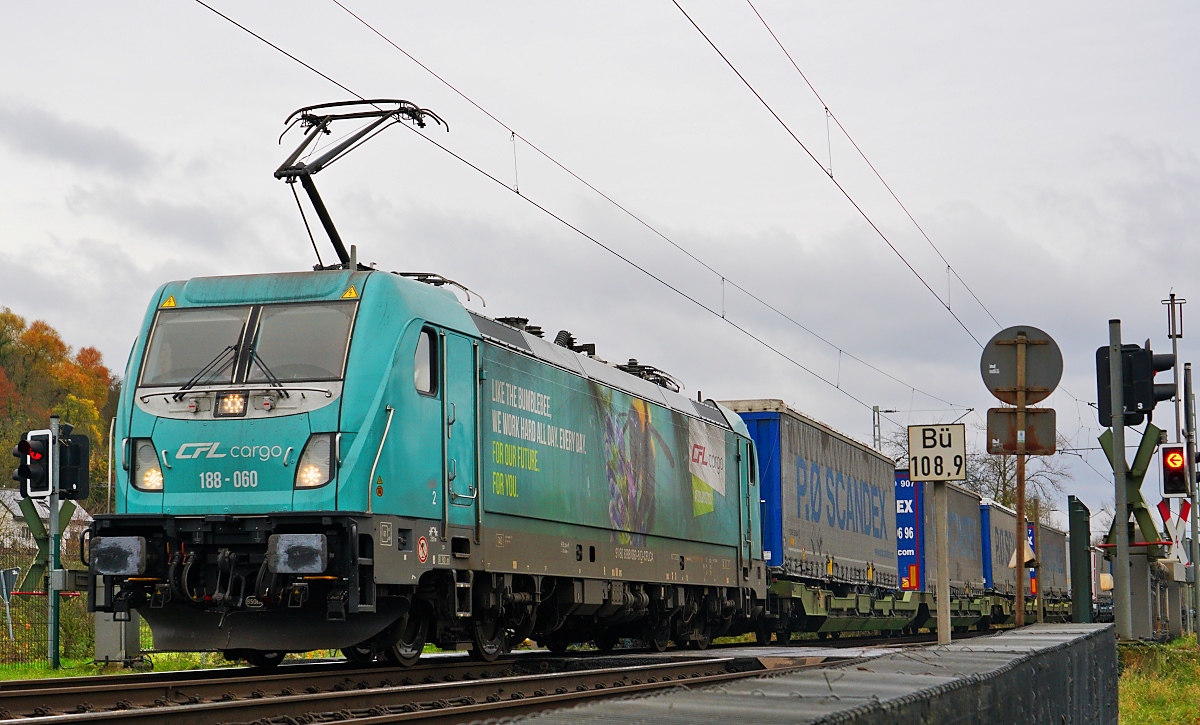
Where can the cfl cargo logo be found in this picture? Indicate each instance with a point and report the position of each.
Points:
(212, 450)
(194, 450)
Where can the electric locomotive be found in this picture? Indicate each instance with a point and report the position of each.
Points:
(349, 458)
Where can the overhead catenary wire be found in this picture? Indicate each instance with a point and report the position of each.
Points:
(715, 313)
(514, 136)
(950, 270)
(862, 212)
(831, 115)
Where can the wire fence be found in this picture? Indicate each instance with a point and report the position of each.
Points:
(27, 611)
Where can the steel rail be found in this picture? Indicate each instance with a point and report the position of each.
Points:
(101, 692)
(105, 692)
(514, 707)
(409, 699)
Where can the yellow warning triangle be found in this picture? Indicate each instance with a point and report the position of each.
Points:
(170, 302)
(349, 294)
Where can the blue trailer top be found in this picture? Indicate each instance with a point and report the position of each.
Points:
(828, 501)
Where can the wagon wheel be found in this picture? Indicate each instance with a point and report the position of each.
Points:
(703, 637)
(359, 654)
(265, 659)
(556, 645)
(489, 640)
(658, 636)
(605, 641)
(763, 631)
(407, 649)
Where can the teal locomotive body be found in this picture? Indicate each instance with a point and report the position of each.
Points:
(351, 459)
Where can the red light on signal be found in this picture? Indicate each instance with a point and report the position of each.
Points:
(25, 449)
(1173, 459)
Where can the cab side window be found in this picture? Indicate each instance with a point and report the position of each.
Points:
(425, 366)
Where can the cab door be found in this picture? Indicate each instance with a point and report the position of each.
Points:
(748, 492)
(460, 372)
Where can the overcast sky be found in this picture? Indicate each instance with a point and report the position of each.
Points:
(1048, 150)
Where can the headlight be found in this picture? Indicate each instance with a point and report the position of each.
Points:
(146, 474)
(230, 405)
(315, 467)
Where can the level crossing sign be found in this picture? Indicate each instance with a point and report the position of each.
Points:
(937, 452)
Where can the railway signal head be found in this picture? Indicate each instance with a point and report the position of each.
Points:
(1174, 471)
(74, 471)
(33, 471)
(1139, 392)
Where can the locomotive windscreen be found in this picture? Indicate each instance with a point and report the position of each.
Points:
(290, 342)
(301, 342)
(185, 341)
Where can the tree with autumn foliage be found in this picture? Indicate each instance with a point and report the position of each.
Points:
(40, 375)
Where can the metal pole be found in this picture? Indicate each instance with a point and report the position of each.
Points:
(1191, 462)
(1175, 331)
(943, 561)
(112, 427)
(1020, 493)
(55, 538)
(1121, 604)
(875, 433)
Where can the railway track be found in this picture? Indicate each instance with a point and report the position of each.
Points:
(450, 693)
(443, 689)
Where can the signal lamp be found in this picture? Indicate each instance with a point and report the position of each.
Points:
(1174, 471)
(33, 471)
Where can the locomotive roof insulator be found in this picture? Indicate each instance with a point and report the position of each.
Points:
(652, 374)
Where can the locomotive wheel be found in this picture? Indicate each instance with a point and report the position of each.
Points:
(411, 643)
(605, 641)
(488, 639)
(658, 637)
(556, 645)
(265, 659)
(359, 654)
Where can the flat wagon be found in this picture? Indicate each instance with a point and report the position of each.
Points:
(829, 524)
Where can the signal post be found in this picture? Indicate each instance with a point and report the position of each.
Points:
(53, 583)
(937, 454)
(53, 465)
(1021, 366)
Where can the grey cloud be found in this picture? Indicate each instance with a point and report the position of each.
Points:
(204, 227)
(41, 134)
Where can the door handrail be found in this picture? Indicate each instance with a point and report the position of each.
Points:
(371, 479)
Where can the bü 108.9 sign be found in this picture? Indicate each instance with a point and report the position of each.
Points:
(937, 452)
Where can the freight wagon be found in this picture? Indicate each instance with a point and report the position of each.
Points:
(999, 525)
(1053, 574)
(348, 458)
(829, 526)
(917, 556)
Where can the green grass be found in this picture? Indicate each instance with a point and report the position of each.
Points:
(1160, 683)
(159, 662)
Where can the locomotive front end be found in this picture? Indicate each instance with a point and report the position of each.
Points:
(227, 533)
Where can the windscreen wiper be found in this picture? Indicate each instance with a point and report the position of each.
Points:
(271, 378)
(209, 369)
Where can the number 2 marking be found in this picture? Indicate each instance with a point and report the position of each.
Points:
(435, 497)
